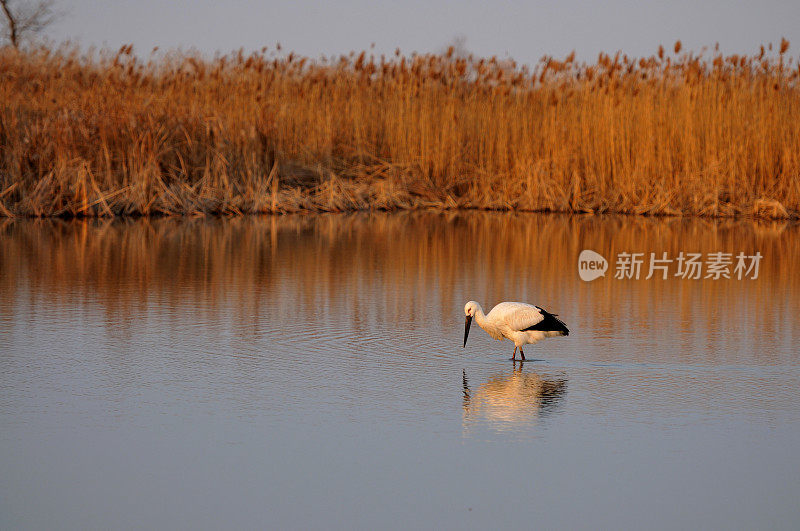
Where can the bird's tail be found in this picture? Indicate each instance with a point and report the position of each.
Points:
(551, 325)
(555, 324)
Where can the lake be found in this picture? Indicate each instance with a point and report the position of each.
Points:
(307, 372)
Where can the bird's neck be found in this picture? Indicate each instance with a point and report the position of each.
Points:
(480, 318)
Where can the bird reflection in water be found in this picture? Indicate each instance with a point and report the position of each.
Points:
(509, 401)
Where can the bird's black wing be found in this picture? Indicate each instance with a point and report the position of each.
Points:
(550, 323)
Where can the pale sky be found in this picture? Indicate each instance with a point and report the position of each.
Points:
(522, 30)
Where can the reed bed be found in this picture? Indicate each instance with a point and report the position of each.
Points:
(678, 133)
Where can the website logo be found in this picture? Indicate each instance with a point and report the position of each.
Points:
(591, 265)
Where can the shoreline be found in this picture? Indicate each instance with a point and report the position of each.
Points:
(332, 195)
(770, 213)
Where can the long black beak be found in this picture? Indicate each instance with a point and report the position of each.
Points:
(466, 328)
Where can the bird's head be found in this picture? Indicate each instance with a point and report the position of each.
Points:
(470, 309)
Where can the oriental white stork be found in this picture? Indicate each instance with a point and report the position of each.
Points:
(524, 324)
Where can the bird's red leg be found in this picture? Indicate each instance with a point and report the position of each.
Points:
(521, 353)
(514, 355)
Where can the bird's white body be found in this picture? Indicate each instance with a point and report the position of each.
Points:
(508, 320)
(523, 324)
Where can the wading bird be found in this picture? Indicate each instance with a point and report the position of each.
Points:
(524, 324)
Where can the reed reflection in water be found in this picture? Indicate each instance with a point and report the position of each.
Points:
(407, 268)
(266, 360)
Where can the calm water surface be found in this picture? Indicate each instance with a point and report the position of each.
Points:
(307, 372)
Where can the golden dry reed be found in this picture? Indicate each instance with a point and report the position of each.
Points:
(108, 134)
